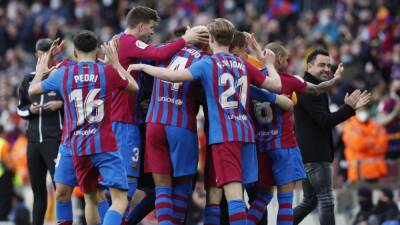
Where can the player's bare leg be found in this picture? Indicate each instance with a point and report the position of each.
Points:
(233, 191)
(237, 208)
(162, 179)
(285, 200)
(63, 204)
(119, 200)
(103, 204)
(91, 212)
(116, 211)
(63, 192)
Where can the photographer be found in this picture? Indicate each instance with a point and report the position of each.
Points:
(44, 113)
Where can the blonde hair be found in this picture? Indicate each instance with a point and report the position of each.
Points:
(222, 30)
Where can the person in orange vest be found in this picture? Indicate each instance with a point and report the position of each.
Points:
(366, 143)
(6, 176)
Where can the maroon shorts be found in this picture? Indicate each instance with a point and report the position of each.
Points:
(265, 176)
(226, 164)
(86, 174)
(209, 171)
(156, 155)
(106, 168)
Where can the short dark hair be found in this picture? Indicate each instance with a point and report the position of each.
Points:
(43, 44)
(239, 40)
(85, 41)
(141, 14)
(313, 55)
(179, 31)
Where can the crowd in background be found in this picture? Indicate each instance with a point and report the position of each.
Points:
(363, 34)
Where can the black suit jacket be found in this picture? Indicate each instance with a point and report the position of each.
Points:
(314, 123)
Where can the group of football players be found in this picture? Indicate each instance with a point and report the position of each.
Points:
(247, 102)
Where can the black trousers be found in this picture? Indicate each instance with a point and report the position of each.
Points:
(318, 191)
(41, 158)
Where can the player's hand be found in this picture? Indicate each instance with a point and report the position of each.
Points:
(34, 108)
(135, 67)
(42, 65)
(352, 99)
(268, 57)
(339, 71)
(363, 100)
(52, 105)
(109, 48)
(56, 47)
(198, 34)
(253, 45)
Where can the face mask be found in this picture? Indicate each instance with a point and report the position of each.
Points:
(362, 116)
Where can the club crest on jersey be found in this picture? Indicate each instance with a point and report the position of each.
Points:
(140, 44)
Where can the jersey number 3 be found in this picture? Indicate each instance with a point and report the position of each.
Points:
(84, 109)
(241, 84)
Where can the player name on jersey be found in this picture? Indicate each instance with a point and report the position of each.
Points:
(231, 64)
(85, 78)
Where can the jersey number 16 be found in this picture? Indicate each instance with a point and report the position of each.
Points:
(84, 109)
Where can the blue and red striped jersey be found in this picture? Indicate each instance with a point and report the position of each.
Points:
(125, 106)
(86, 88)
(225, 79)
(275, 127)
(176, 104)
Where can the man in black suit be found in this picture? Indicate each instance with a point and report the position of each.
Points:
(314, 123)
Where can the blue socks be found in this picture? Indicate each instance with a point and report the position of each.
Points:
(212, 215)
(163, 205)
(180, 199)
(112, 217)
(103, 207)
(257, 208)
(285, 212)
(237, 212)
(64, 213)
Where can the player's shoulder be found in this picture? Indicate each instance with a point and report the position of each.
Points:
(132, 41)
(292, 77)
(65, 62)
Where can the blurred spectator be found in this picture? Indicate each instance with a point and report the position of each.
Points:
(6, 175)
(386, 210)
(365, 147)
(366, 206)
(389, 116)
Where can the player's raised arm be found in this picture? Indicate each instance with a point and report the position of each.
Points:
(324, 86)
(141, 22)
(112, 58)
(273, 81)
(162, 73)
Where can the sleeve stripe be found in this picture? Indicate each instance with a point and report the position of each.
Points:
(23, 113)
